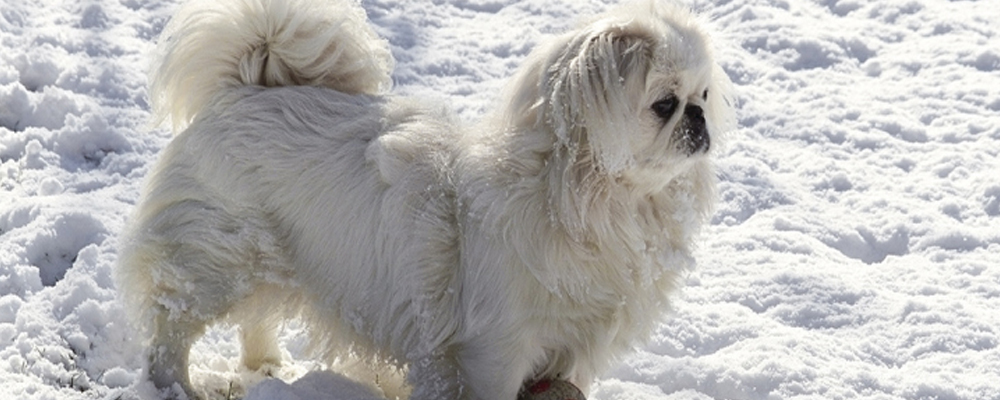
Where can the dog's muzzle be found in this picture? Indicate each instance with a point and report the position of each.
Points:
(694, 133)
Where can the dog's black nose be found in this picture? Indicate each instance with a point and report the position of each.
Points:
(694, 131)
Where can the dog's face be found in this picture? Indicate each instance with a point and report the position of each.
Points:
(680, 105)
(635, 94)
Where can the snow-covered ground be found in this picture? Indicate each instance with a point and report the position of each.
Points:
(855, 252)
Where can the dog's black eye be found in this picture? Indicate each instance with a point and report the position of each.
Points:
(665, 107)
(704, 95)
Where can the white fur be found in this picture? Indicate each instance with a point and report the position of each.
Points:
(543, 242)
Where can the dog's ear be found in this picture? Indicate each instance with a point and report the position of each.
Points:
(582, 93)
(594, 95)
(590, 98)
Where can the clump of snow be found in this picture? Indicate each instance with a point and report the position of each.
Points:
(854, 252)
(313, 386)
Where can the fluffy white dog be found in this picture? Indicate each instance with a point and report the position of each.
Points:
(541, 243)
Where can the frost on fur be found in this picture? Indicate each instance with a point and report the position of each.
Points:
(213, 45)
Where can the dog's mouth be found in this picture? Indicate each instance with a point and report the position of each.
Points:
(693, 131)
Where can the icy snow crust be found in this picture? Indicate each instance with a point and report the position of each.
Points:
(855, 252)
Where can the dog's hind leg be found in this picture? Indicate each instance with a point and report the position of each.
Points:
(168, 354)
(192, 265)
(260, 317)
(260, 346)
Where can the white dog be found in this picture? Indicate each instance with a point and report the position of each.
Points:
(541, 243)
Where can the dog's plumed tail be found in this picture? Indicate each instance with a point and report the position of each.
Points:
(210, 47)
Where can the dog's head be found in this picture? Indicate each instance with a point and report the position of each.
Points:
(635, 94)
(633, 101)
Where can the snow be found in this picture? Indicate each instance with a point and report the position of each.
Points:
(855, 252)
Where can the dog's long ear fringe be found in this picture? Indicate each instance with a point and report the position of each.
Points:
(587, 92)
(592, 104)
(210, 47)
(584, 96)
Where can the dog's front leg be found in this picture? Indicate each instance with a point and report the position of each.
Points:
(435, 377)
(493, 368)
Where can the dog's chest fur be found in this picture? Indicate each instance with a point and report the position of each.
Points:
(584, 296)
